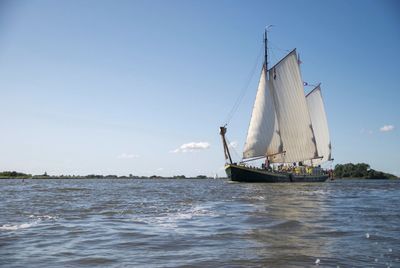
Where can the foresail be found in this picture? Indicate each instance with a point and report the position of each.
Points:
(320, 125)
(262, 136)
(291, 111)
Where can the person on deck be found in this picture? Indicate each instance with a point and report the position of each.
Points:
(266, 164)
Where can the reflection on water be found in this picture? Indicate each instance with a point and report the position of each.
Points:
(284, 221)
(198, 223)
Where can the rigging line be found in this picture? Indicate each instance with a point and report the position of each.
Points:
(233, 149)
(244, 89)
(273, 51)
(276, 51)
(273, 54)
(278, 48)
(309, 85)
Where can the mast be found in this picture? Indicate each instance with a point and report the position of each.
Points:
(222, 131)
(266, 49)
(263, 135)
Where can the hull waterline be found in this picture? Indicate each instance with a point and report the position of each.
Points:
(246, 174)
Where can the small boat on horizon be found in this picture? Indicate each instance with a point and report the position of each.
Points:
(287, 128)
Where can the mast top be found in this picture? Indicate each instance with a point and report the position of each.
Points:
(266, 46)
(266, 50)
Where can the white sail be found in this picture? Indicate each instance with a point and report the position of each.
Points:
(262, 136)
(320, 125)
(291, 111)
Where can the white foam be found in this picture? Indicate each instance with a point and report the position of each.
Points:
(171, 220)
(10, 227)
(37, 219)
(43, 217)
(258, 197)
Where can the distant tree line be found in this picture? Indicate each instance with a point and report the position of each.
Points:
(19, 175)
(360, 170)
(13, 174)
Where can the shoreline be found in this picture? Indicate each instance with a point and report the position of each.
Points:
(104, 178)
(154, 178)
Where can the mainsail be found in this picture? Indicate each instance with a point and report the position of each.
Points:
(320, 125)
(292, 111)
(262, 136)
(280, 123)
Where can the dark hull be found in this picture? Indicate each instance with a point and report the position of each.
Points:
(246, 174)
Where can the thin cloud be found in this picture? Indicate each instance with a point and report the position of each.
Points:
(387, 128)
(191, 147)
(127, 156)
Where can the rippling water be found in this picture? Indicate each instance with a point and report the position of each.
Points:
(198, 223)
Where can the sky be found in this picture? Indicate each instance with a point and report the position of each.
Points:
(141, 87)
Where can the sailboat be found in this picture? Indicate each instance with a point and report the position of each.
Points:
(287, 128)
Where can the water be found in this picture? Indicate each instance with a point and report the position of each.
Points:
(198, 223)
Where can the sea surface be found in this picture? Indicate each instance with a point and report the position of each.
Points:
(198, 223)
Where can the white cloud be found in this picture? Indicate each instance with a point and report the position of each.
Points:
(191, 147)
(386, 128)
(127, 156)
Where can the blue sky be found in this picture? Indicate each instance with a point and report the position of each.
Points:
(141, 87)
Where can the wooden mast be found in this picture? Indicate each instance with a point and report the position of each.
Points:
(222, 131)
(266, 51)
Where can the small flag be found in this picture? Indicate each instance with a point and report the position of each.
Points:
(305, 84)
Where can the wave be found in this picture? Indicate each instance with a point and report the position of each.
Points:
(171, 220)
(11, 227)
(43, 217)
(71, 189)
(35, 220)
